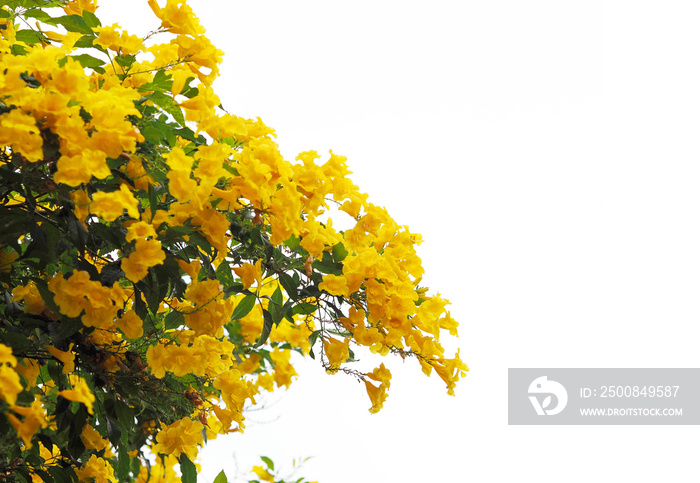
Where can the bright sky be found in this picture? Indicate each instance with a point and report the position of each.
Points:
(547, 152)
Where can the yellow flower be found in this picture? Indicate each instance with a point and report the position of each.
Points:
(156, 356)
(335, 285)
(110, 206)
(34, 418)
(6, 356)
(139, 230)
(80, 168)
(130, 324)
(94, 440)
(10, 386)
(182, 436)
(263, 474)
(29, 369)
(249, 273)
(148, 253)
(7, 258)
(178, 17)
(67, 358)
(19, 131)
(80, 393)
(336, 351)
(77, 6)
(96, 470)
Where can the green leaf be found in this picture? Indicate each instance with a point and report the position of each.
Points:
(314, 337)
(305, 308)
(277, 297)
(188, 469)
(221, 478)
(91, 62)
(327, 265)
(244, 307)
(167, 103)
(173, 320)
(267, 328)
(114, 432)
(30, 37)
(59, 475)
(289, 286)
(125, 416)
(270, 464)
(72, 23)
(90, 19)
(224, 275)
(38, 14)
(339, 252)
(123, 464)
(161, 83)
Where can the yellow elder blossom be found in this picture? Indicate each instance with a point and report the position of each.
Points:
(94, 440)
(263, 474)
(130, 324)
(6, 259)
(110, 206)
(10, 385)
(147, 254)
(34, 418)
(336, 351)
(96, 470)
(67, 358)
(80, 393)
(19, 131)
(182, 436)
(249, 273)
(29, 369)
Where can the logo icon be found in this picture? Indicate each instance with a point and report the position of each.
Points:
(543, 386)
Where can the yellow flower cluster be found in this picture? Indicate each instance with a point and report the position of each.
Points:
(182, 436)
(96, 470)
(10, 385)
(171, 235)
(78, 294)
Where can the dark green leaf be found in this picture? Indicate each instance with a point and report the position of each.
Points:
(173, 320)
(224, 275)
(59, 475)
(85, 42)
(161, 82)
(289, 286)
(277, 297)
(188, 469)
(87, 60)
(30, 37)
(114, 432)
(339, 252)
(314, 337)
(327, 265)
(305, 308)
(267, 328)
(270, 464)
(72, 23)
(167, 103)
(90, 19)
(244, 307)
(123, 464)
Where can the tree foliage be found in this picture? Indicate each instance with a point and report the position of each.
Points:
(160, 261)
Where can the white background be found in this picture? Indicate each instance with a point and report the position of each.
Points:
(547, 151)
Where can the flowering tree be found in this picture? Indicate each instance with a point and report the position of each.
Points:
(160, 261)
